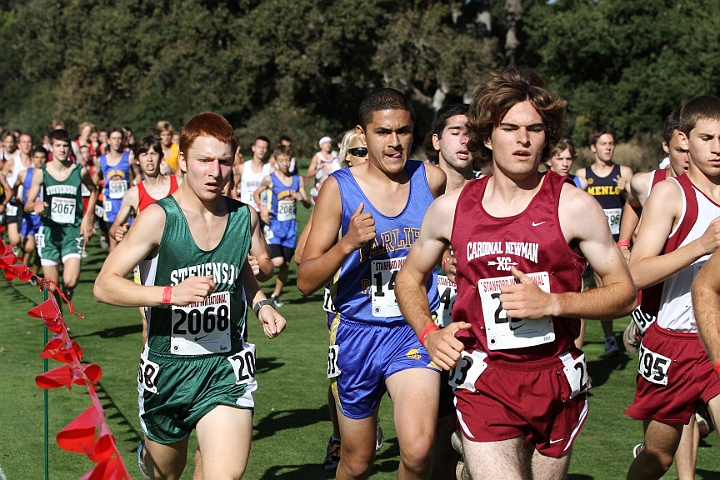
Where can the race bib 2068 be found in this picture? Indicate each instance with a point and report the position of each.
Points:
(202, 328)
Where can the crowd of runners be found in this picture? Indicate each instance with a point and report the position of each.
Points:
(459, 285)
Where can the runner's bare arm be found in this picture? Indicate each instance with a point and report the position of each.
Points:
(633, 208)
(324, 254)
(706, 305)
(436, 179)
(583, 223)
(628, 224)
(626, 175)
(264, 185)
(302, 240)
(129, 202)
(312, 168)
(18, 182)
(259, 249)
(662, 210)
(6, 186)
(97, 176)
(303, 196)
(113, 288)
(35, 186)
(273, 323)
(410, 289)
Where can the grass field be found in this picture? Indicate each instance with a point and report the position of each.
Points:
(291, 421)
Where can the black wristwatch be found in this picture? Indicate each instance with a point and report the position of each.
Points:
(259, 305)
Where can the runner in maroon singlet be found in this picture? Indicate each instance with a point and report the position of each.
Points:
(521, 240)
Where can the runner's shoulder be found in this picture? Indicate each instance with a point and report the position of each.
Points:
(640, 182)
(577, 202)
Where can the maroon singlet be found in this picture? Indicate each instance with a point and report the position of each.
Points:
(532, 241)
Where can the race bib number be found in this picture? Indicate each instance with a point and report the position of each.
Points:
(11, 210)
(503, 332)
(468, 370)
(99, 210)
(332, 362)
(62, 210)
(202, 328)
(384, 302)
(147, 374)
(448, 292)
(286, 210)
(117, 188)
(613, 218)
(84, 190)
(652, 366)
(575, 373)
(642, 320)
(40, 240)
(107, 206)
(243, 364)
(328, 304)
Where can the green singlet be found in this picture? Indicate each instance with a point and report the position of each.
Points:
(195, 358)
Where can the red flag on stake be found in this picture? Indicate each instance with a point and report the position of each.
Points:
(111, 469)
(79, 435)
(55, 378)
(62, 350)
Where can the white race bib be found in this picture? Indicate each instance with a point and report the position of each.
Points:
(447, 291)
(653, 367)
(147, 373)
(99, 210)
(384, 303)
(613, 218)
(468, 370)
(328, 304)
(40, 240)
(504, 333)
(642, 320)
(117, 188)
(11, 210)
(62, 210)
(243, 364)
(576, 373)
(332, 362)
(107, 206)
(84, 190)
(202, 328)
(286, 210)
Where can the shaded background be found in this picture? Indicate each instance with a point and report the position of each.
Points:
(301, 67)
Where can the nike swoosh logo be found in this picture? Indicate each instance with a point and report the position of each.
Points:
(537, 224)
(555, 441)
(200, 338)
(516, 327)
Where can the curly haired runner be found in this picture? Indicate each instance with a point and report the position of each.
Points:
(521, 240)
(196, 371)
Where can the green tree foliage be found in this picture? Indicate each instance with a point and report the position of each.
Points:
(306, 62)
(627, 63)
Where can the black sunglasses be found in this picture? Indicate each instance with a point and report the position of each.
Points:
(358, 152)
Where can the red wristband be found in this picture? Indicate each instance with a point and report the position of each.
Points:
(167, 294)
(444, 264)
(624, 243)
(716, 367)
(426, 331)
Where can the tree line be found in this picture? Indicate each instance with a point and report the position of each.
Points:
(301, 67)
